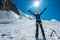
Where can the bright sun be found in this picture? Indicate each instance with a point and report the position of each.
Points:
(36, 3)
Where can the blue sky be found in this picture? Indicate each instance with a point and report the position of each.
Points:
(52, 12)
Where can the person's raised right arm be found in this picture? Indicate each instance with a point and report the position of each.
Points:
(31, 12)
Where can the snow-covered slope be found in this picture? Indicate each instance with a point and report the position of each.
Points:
(25, 15)
(24, 29)
(8, 16)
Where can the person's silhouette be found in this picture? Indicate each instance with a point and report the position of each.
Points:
(38, 21)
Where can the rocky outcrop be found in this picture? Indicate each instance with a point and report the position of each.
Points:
(7, 5)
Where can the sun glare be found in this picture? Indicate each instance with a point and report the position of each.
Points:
(37, 3)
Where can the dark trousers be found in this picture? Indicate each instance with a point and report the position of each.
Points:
(38, 22)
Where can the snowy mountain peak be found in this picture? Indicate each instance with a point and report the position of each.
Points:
(54, 20)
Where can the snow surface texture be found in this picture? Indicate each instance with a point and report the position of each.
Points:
(24, 29)
(8, 16)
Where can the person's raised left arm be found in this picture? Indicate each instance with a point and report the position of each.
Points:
(42, 11)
